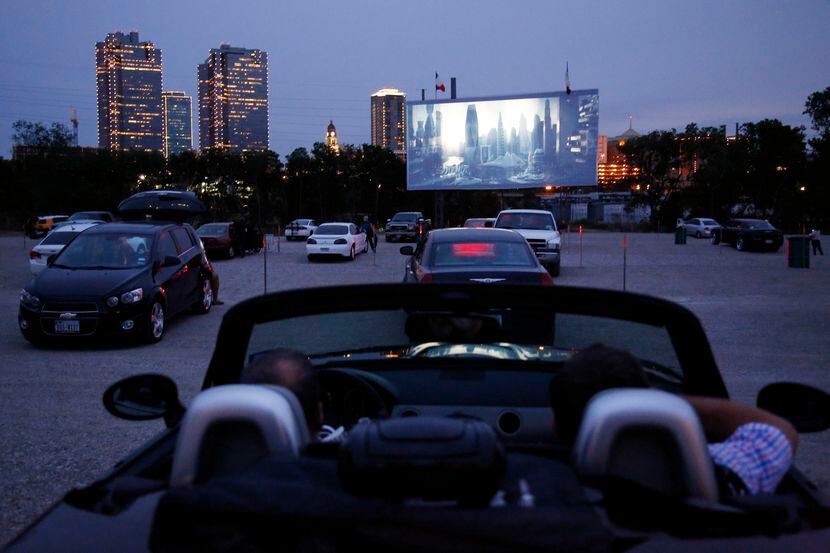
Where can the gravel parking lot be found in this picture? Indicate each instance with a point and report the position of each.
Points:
(765, 322)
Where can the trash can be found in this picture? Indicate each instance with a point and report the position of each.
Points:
(680, 235)
(798, 252)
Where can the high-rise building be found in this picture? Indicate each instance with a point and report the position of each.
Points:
(178, 122)
(128, 75)
(233, 99)
(331, 137)
(613, 169)
(388, 107)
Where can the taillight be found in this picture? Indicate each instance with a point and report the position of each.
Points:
(34, 255)
(546, 279)
(340, 241)
(705, 229)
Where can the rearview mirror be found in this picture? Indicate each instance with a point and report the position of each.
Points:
(170, 261)
(145, 397)
(407, 250)
(807, 408)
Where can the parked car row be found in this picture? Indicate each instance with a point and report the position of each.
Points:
(744, 234)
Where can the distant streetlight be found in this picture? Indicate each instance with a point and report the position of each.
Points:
(141, 178)
(803, 188)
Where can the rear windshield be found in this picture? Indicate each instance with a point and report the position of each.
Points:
(59, 238)
(87, 215)
(709, 222)
(211, 230)
(302, 221)
(761, 225)
(463, 254)
(405, 217)
(331, 230)
(526, 221)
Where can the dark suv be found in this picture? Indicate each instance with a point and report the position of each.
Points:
(121, 279)
(407, 225)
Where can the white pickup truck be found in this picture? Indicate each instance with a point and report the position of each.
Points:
(539, 229)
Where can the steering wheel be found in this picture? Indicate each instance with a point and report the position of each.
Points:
(347, 397)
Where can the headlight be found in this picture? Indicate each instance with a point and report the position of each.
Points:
(410, 227)
(29, 300)
(112, 301)
(311, 241)
(553, 244)
(340, 241)
(132, 296)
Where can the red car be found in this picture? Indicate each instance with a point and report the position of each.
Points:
(221, 238)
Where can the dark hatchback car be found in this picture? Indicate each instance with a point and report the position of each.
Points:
(749, 234)
(451, 444)
(483, 255)
(118, 279)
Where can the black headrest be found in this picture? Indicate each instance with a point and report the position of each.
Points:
(430, 458)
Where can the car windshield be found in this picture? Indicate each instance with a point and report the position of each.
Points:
(59, 238)
(419, 351)
(463, 254)
(526, 221)
(331, 230)
(212, 230)
(758, 225)
(474, 222)
(85, 215)
(405, 218)
(106, 251)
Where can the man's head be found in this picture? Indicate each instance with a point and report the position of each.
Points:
(290, 369)
(365, 218)
(592, 370)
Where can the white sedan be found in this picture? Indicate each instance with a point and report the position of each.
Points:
(54, 242)
(300, 228)
(343, 239)
(700, 227)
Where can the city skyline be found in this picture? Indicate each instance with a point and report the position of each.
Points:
(644, 62)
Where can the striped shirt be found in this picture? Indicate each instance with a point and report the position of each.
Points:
(759, 454)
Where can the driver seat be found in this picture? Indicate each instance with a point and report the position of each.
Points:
(649, 437)
(229, 428)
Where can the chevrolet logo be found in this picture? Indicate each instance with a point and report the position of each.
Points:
(68, 315)
(487, 280)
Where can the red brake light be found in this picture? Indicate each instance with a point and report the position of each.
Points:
(546, 279)
(34, 255)
(474, 249)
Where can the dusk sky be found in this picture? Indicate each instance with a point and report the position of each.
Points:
(664, 62)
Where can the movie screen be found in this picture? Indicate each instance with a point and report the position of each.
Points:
(525, 141)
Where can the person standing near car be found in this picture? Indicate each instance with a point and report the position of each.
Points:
(369, 230)
(815, 240)
(753, 448)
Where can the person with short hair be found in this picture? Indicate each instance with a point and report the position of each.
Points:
(753, 448)
(815, 240)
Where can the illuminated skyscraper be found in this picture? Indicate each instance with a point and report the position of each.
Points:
(233, 99)
(178, 126)
(128, 75)
(331, 137)
(388, 107)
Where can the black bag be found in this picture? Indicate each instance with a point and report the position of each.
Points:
(430, 458)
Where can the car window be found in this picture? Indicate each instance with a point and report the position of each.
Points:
(182, 240)
(405, 218)
(58, 238)
(211, 230)
(332, 230)
(526, 221)
(694, 222)
(166, 246)
(460, 254)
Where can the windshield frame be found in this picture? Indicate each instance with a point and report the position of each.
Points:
(67, 250)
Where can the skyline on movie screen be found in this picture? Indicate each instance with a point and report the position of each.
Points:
(547, 139)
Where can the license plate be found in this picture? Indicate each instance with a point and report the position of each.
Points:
(67, 327)
(324, 249)
(768, 241)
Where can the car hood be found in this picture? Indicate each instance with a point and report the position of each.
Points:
(57, 283)
(537, 234)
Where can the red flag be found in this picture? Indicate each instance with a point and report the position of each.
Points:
(567, 80)
(438, 84)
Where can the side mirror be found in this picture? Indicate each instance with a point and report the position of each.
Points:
(807, 408)
(145, 397)
(407, 250)
(170, 261)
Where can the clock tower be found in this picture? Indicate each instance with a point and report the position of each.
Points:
(331, 137)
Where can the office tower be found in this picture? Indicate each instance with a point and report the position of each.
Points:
(331, 137)
(128, 76)
(178, 122)
(388, 106)
(233, 100)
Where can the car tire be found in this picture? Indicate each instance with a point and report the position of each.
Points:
(310, 258)
(202, 307)
(715, 240)
(154, 330)
(553, 270)
(231, 252)
(740, 245)
(352, 254)
(698, 235)
(366, 246)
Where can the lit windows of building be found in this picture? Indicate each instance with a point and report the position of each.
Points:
(178, 126)
(331, 137)
(612, 168)
(233, 100)
(129, 82)
(388, 110)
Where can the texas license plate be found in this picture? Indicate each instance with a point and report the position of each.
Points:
(324, 249)
(67, 327)
(768, 241)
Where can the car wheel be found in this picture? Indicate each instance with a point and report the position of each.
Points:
(366, 246)
(205, 302)
(310, 258)
(553, 270)
(155, 323)
(740, 245)
(352, 254)
(698, 235)
(231, 252)
(715, 240)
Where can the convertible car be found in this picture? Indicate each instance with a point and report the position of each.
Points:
(443, 394)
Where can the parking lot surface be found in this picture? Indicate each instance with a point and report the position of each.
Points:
(765, 322)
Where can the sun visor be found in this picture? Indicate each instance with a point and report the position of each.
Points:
(162, 205)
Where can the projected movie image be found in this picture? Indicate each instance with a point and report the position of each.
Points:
(489, 143)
